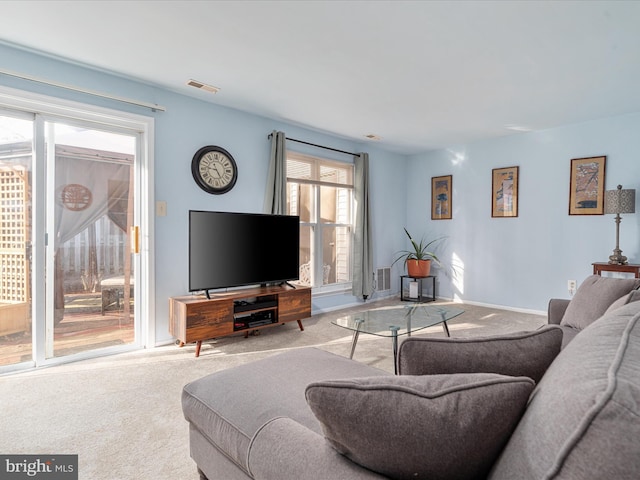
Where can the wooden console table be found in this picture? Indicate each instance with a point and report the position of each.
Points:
(194, 318)
(600, 267)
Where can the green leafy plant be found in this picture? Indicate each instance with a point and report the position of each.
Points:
(420, 251)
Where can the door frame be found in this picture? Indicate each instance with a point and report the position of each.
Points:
(47, 108)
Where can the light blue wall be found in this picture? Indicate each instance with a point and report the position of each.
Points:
(518, 262)
(189, 124)
(522, 262)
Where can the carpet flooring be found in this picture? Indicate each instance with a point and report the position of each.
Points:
(122, 416)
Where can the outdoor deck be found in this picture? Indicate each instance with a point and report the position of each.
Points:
(83, 327)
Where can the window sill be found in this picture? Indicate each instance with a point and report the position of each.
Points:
(335, 289)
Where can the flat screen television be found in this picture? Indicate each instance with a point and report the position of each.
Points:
(235, 249)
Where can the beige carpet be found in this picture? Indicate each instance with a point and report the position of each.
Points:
(122, 414)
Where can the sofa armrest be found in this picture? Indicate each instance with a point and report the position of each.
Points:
(556, 309)
(527, 354)
(283, 448)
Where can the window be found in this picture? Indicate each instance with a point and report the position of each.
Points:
(321, 192)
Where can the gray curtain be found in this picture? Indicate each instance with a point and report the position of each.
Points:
(90, 184)
(362, 285)
(275, 200)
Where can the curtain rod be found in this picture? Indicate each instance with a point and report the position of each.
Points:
(318, 146)
(151, 106)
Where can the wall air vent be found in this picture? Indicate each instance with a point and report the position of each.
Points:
(203, 86)
(383, 279)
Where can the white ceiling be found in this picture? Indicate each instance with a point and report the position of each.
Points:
(419, 74)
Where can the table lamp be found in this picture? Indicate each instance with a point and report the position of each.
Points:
(616, 202)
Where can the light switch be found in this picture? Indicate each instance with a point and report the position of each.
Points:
(161, 209)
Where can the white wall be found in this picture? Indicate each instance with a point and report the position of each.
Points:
(522, 262)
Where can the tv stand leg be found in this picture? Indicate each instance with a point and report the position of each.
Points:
(300, 325)
(198, 346)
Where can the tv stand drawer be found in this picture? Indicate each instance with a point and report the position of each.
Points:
(294, 305)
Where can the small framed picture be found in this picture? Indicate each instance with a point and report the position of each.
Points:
(504, 201)
(441, 191)
(586, 188)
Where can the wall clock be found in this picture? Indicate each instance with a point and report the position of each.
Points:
(214, 169)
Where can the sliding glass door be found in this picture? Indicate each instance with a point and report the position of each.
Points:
(90, 220)
(69, 238)
(16, 153)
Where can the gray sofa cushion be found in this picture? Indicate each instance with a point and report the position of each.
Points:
(527, 354)
(432, 426)
(631, 297)
(285, 450)
(593, 297)
(230, 406)
(568, 334)
(583, 419)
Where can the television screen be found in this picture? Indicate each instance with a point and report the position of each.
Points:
(234, 249)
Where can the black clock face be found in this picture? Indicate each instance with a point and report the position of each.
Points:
(214, 169)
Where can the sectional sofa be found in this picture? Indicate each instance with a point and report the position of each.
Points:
(510, 407)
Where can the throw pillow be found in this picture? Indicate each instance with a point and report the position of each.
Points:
(432, 426)
(593, 297)
(633, 296)
(520, 354)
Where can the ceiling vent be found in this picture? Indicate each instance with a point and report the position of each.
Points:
(203, 86)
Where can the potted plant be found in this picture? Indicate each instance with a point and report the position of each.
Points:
(418, 259)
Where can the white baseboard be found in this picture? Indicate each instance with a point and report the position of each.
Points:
(357, 303)
(498, 307)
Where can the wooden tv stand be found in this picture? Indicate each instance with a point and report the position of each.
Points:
(194, 318)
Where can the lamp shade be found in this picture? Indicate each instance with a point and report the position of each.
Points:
(620, 201)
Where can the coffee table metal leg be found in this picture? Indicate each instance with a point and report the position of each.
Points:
(356, 334)
(394, 339)
(408, 316)
(445, 327)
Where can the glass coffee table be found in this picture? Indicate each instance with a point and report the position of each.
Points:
(397, 320)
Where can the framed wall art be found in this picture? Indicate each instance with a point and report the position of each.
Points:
(504, 201)
(586, 188)
(441, 192)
